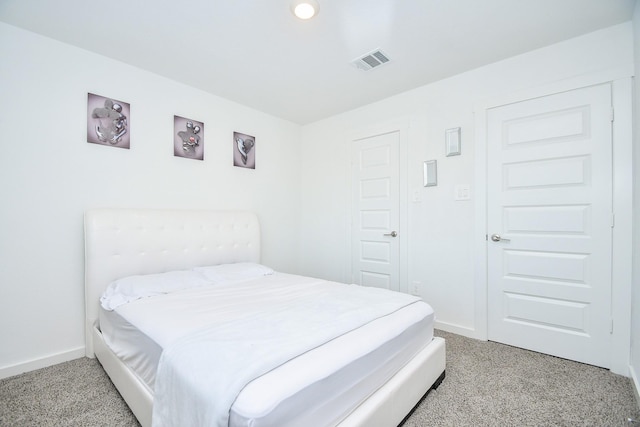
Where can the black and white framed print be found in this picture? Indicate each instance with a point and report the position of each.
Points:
(188, 138)
(244, 150)
(108, 121)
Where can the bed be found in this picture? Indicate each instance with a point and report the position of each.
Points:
(384, 384)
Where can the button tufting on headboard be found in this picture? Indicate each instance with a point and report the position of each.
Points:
(124, 242)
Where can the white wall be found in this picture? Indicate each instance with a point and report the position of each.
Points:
(442, 237)
(49, 175)
(635, 313)
(301, 188)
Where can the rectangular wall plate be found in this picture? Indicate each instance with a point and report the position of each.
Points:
(452, 142)
(430, 173)
(462, 192)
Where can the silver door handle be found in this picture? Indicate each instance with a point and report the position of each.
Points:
(392, 234)
(497, 238)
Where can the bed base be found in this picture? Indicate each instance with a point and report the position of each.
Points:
(389, 406)
(392, 403)
(134, 392)
(434, 386)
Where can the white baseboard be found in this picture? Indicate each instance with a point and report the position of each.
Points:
(32, 365)
(456, 329)
(635, 384)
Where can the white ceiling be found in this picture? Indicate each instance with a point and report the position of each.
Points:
(256, 53)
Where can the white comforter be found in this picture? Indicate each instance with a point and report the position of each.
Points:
(201, 374)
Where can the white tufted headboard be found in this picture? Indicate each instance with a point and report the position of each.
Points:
(124, 242)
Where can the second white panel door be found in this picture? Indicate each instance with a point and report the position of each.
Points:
(375, 212)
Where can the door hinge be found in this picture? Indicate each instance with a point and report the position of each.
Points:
(613, 219)
(612, 114)
(611, 327)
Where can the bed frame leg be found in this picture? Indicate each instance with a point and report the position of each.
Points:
(434, 386)
(438, 381)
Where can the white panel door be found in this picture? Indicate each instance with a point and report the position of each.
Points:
(375, 180)
(549, 224)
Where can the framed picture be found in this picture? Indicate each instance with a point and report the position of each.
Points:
(452, 142)
(244, 150)
(108, 121)
(188, 138)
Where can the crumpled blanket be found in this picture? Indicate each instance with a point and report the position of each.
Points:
(199, 376)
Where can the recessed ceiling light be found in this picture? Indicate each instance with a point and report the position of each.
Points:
(305, 9)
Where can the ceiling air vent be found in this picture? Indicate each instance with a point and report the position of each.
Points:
(371, 60)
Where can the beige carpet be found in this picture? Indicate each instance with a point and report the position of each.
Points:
(487, 384)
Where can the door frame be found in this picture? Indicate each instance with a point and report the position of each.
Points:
(402, 127)
(622, 99)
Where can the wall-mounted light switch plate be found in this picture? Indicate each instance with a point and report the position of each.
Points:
(462, 192)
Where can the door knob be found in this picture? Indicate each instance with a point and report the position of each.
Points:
(392, 234)
(497, 238)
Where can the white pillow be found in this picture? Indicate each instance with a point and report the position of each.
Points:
(229, 273)
(133, 288)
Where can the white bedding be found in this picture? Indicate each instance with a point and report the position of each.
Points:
(337, 381)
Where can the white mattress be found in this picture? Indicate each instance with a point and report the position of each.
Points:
(327, 382)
